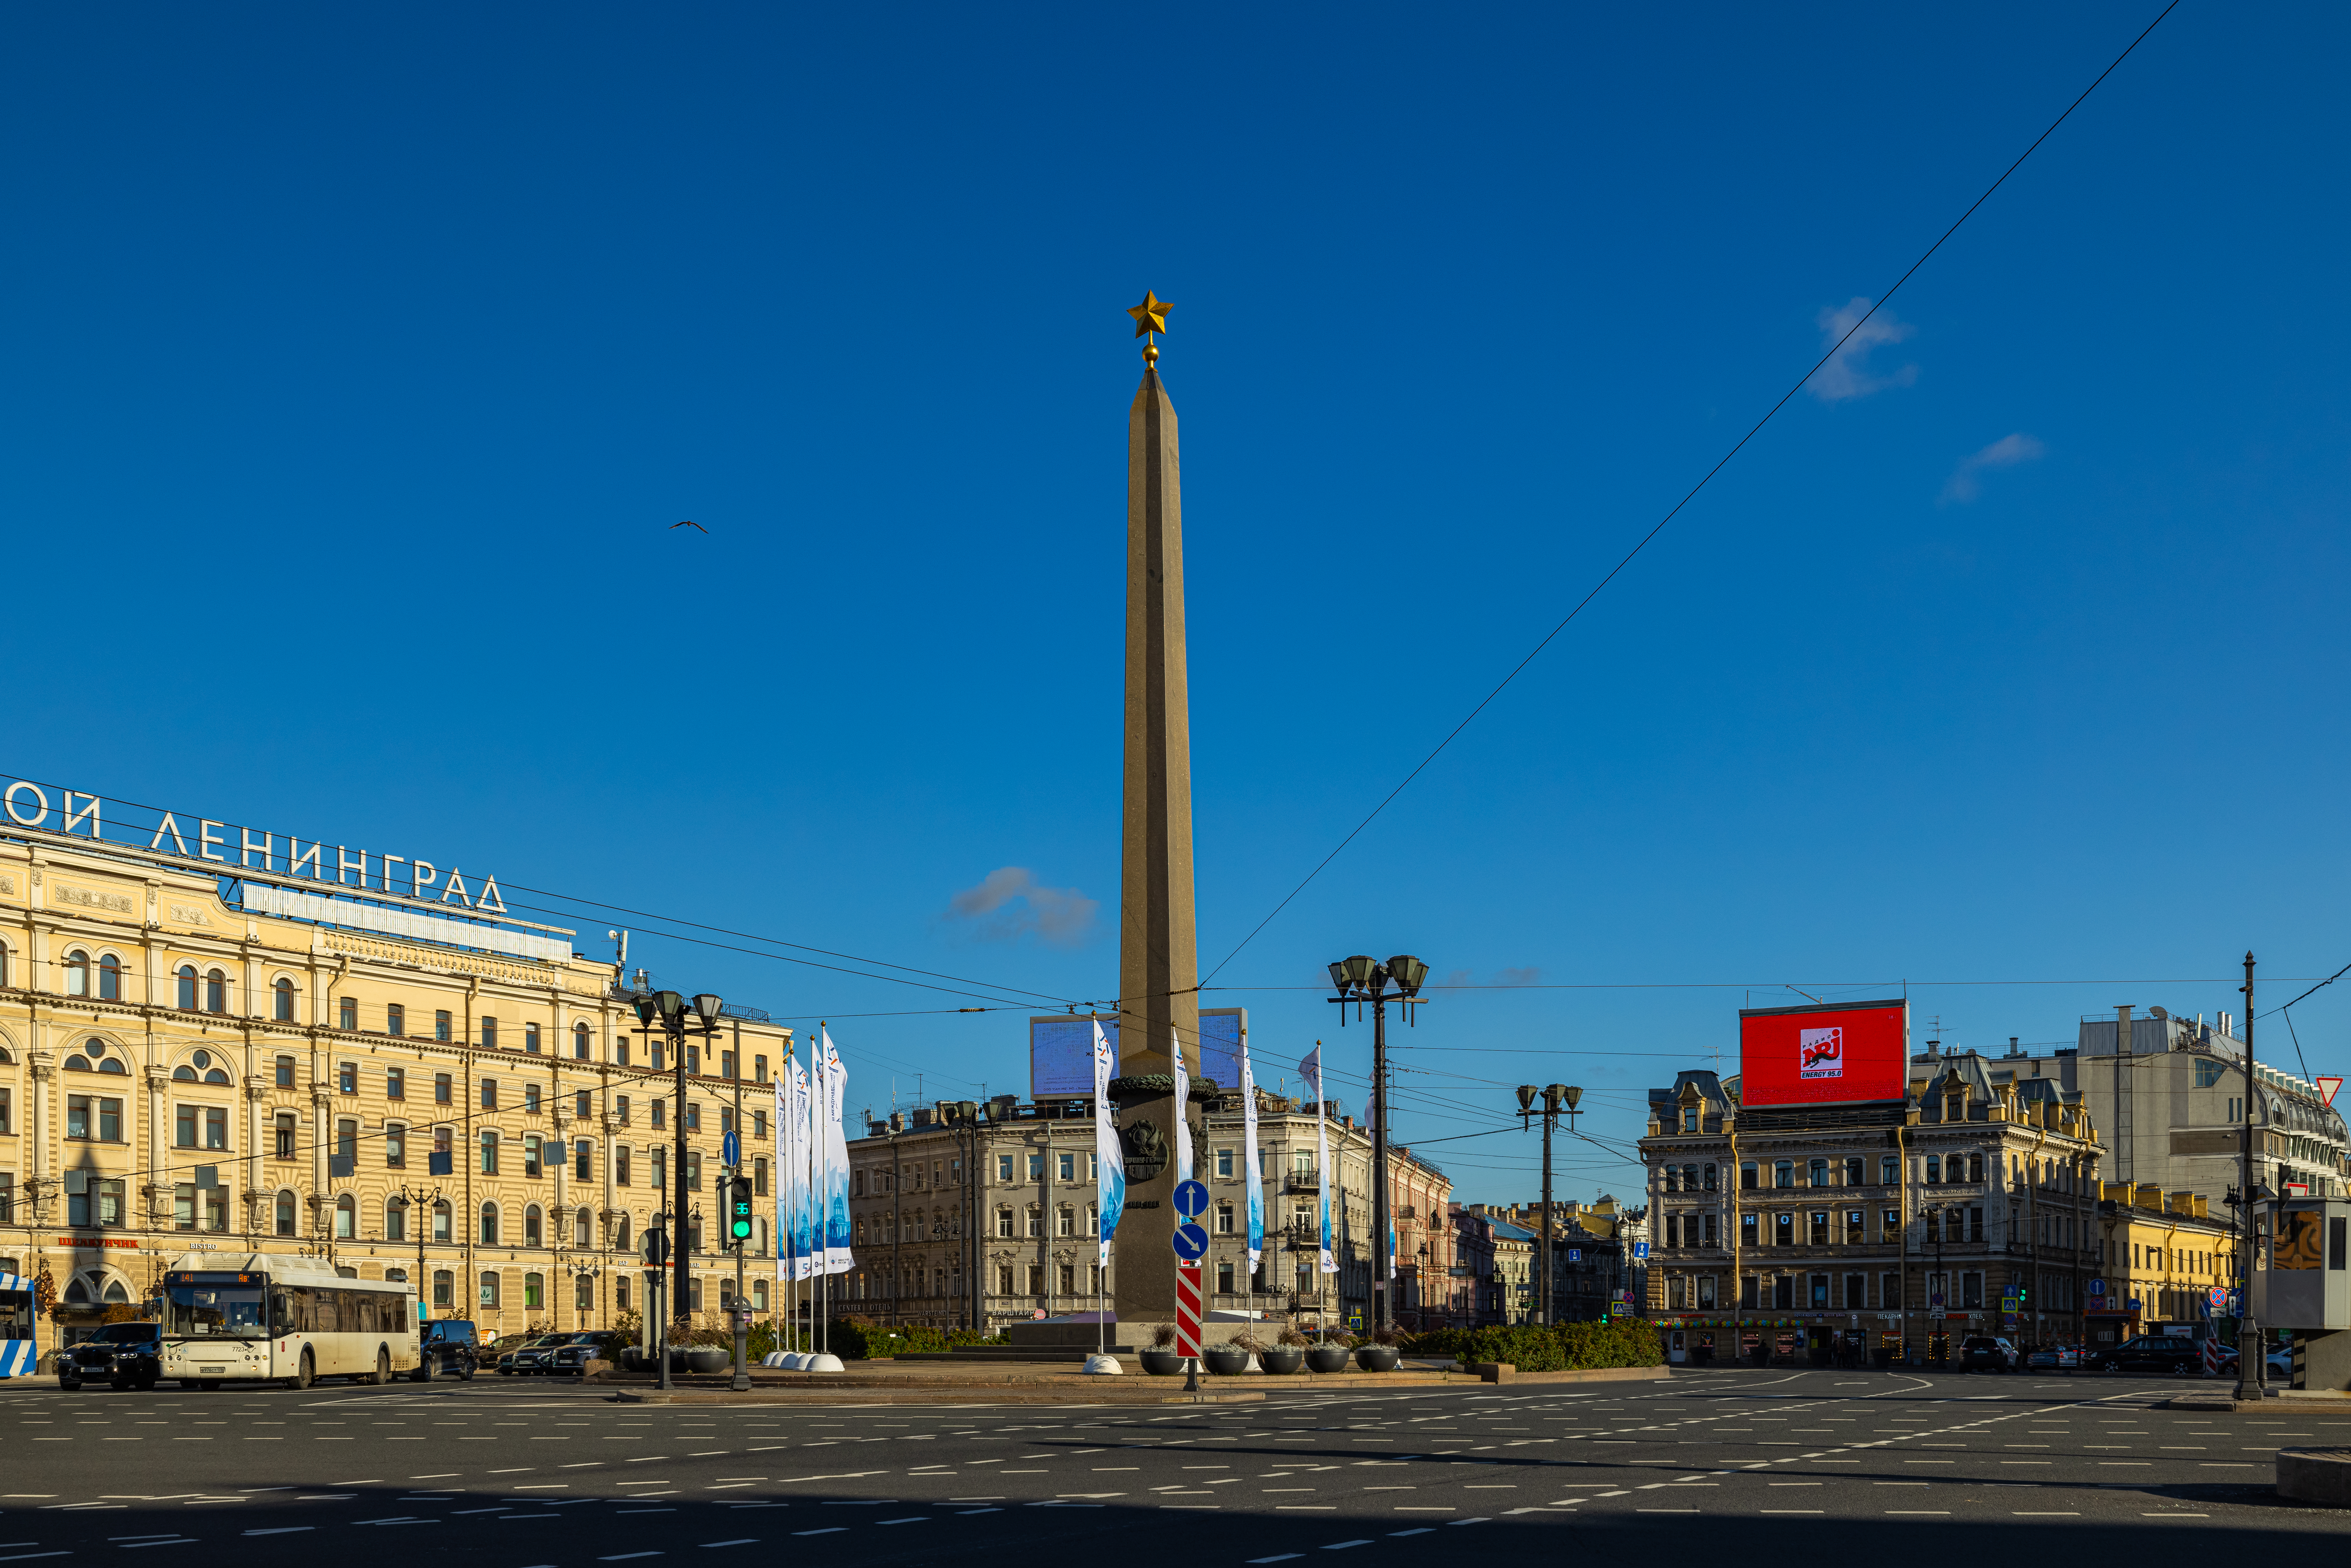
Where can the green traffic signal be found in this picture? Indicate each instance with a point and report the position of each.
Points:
(738, 1209)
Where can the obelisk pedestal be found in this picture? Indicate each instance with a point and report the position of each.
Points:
(1158, 958)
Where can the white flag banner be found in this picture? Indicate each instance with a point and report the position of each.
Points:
(1181, 1133)
(783, 1195)
(1249, 1155)
(1312, 1071)
(1112, 1174)
(836, 1162)
(804, 1242)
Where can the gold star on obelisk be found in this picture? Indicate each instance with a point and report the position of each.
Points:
(1150, 317)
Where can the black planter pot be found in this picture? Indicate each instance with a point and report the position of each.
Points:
(1161, 1362)
(708, 1358)
(1282, 1360)
(1376, 1357)
(1224, 1360)
(1328, 1358)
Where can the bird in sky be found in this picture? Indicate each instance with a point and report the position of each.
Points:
(689, 523)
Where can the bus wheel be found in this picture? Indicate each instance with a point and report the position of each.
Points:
(305, 1374)
(383, 1367)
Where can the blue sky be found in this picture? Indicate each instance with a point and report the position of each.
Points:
(356, 362)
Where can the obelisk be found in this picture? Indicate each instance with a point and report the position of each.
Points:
(1158, 958)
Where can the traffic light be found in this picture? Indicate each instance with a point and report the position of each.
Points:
(657, 1247)
(738, 1209)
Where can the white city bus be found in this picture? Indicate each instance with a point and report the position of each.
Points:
(262, 1316)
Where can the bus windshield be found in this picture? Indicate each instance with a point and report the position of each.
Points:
(215, 1310)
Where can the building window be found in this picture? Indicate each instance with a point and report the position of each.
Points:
(346, 1141)
(621, 1110)
(579, 1041)
(530, 1038)
(110, 978)
(187, 996)
(1975, 1167)
(489, 1033)
(659, 1114)
(395, 1019)
(347, 1212)
(444, 1088)
(694, 1170)
(76, 973)
(1817, 1173)
(347, 1078)
(534, 1229)
(1783, 1230)
(530, 1098)
(395, 1219)
(444, 1288)
(1934, 1167)
(489, 1278)
(620, 1164)
(216, 992)
(444, 1221)
(660, 1167)
(282, 1002)
(1004, 1222)
(760, 1126)
(489, 1094)
(727, 1064)
(346, 1015)
(581, 1165)
(489, 1225)
(395, 1083)
(396, 1146)
(693, 1116)
(1783, 1174)
(531, 1156)
(489, 1152)
(286, 1214)
(284, 1130)
(96, 1119)
(1747, 1180)
(583, 1294)
(583, 1229)
(759, 1176)
(1820, 1230)
(183, 1127)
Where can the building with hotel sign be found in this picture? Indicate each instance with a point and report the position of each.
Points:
(1945, 1197)
(261, 1052)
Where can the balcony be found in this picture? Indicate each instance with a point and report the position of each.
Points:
(1302, 1181)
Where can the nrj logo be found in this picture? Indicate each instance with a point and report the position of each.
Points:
(1819, 1053)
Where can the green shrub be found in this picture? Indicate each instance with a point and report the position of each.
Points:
(1569, 1347)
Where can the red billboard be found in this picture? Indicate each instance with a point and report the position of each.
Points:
(1824, 1054)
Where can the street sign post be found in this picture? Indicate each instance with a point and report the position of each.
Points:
(1640, 1251)
(1191, 1199)
(730, 1150)
(1191, 1242)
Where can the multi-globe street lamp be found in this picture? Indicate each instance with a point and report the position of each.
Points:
(675, 1017)
(1361, 979)
(1556, 1097)
(965, 1120)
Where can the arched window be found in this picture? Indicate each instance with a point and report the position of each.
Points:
(216, 992)
(347, 1216)
(583, 1229)
(187, 1000)
(286, 1214)
(583, 1294)
(443, 1215)
(213, 1074)
(620, 1234)
(490, 1290)
(107, 1062)
(78, 1062)
(533, 1226)
(183, 1073)
(110, 979)
(579, 1038)
(76, 973)
(489, 1225)
(78, 1292)
(282, 1002)
(395, 1220)
(116, 1293)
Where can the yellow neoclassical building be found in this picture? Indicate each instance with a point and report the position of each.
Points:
(198, 1052)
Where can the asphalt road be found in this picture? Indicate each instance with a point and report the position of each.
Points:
(521, 1474)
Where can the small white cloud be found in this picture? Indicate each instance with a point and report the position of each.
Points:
(2006, 453)
(1847, 374)
(1011, 901)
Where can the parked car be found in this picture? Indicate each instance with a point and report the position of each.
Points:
(532, 1354)
(1986, 1353)
(2176, 1354)
(126, 1355)
(447, 1347)
(2281, 1365)
(572, 1356)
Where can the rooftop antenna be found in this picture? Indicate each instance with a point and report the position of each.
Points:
(620, 962)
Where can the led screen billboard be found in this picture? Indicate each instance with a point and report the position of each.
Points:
(1821, 1054)
(1061, 1050)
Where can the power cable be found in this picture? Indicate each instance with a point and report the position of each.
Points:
(1692, 494)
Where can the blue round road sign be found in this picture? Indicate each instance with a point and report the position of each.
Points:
(730, 1150)
(1191, 1198)
(1191, 1242)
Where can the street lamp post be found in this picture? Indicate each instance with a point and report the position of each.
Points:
(1556, 1098)
(964, 1120)
(675, 1017)
(1359, 979)
(2253, 1360)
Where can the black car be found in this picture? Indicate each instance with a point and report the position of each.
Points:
(447, 1347)
(572, 1357)
(127, 1355)
(2176, 1354)
(532, 1356)
(1985, 1352)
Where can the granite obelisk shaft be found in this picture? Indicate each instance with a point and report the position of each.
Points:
(1158, 958)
